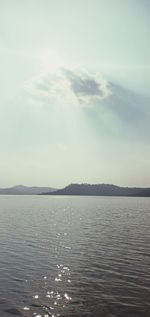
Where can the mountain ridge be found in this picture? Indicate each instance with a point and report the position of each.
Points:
(75, 189)
(25, 190)
(101, 190)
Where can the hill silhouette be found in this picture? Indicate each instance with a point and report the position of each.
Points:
(101, 190)
(25, 190)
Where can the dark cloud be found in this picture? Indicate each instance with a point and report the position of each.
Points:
(87, 86)
(83, 85)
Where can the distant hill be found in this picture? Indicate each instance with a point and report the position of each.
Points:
(145, 192)
(25, 190)
(101, 190)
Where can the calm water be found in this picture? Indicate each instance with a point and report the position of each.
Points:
(74, 256)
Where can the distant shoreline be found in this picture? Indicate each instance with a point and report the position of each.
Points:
(105, 190)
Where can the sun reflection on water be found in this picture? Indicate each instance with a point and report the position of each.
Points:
(56, 296)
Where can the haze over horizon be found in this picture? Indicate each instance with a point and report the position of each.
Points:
(75, 97)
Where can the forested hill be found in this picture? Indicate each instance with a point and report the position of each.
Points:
(101, 190)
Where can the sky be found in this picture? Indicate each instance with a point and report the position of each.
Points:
(75, 92)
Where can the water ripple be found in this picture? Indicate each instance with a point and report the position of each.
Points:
(78, 256)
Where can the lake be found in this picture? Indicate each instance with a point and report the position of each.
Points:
(74, 256)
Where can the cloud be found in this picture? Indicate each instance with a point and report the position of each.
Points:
(109, 106)
(87, 86)
(73, 86)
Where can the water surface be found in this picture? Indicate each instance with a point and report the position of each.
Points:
(74, 256)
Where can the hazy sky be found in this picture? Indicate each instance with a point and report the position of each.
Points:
(75, 92)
